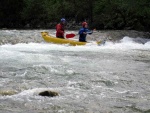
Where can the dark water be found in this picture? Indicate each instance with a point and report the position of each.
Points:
(113, 78)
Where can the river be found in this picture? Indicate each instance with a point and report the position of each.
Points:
(111, 78)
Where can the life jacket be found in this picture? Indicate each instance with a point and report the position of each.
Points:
(82, 37)
(60, 30)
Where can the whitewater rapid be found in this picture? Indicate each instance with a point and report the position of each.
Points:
(112, 78)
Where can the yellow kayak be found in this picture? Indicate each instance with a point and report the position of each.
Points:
(55, 40)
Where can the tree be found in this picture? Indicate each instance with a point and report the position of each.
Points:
(34, 13)
(10, 13)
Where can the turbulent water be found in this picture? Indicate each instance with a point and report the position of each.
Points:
(112, 78)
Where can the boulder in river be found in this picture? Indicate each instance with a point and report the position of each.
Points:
(48, 93)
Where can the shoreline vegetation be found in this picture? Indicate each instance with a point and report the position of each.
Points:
(100, 14)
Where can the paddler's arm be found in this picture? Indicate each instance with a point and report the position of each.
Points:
(89, 31)
(82, 31)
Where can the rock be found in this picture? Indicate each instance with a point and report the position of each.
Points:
(7, 92)
(48, 93)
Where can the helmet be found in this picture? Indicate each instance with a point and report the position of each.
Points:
(63, 20)
(83, 24)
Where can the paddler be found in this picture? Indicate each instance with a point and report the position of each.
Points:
(83, 32)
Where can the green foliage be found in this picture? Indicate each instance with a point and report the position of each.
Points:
(101, 14)
(34, 13)
(123, 14)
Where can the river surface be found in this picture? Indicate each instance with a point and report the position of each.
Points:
(111, 78)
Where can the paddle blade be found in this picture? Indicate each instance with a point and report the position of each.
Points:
(70, 35)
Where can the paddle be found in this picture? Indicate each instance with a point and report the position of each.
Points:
(70, 35)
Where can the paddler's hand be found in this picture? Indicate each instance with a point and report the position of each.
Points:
(84, 33)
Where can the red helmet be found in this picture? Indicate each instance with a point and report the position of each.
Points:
(83, 24)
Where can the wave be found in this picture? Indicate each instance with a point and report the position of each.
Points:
(24, 40)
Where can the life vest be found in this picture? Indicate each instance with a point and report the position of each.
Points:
(60, 30)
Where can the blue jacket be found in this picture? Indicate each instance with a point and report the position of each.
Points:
(82, 37)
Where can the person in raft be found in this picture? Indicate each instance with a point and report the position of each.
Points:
(60, 29)
(83, 32)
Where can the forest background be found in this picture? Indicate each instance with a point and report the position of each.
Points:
(100, 14)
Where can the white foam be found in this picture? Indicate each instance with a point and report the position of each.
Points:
(126, 43)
